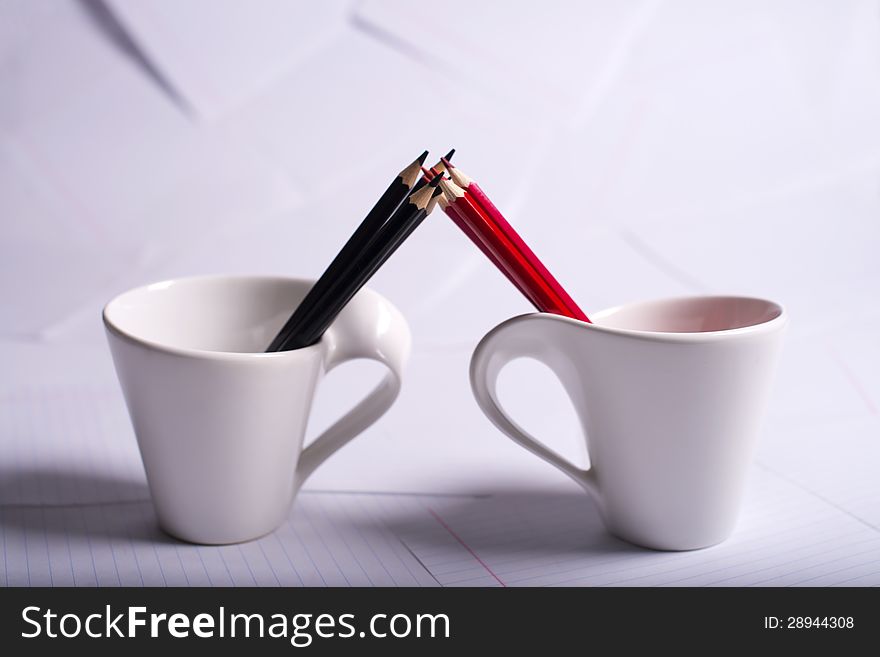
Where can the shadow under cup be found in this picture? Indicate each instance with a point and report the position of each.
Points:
(220, 423)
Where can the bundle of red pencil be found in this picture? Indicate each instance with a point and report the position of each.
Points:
(472, 211)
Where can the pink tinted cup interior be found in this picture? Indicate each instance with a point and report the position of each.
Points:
(690, 314)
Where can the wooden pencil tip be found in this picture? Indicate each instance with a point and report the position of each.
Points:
(449, 155)
(453, 188)
(446, 162)
(411, 172)
(460, 178)
(447, 190)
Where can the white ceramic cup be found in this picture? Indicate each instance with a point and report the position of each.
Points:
(220, 423)
(670, 395)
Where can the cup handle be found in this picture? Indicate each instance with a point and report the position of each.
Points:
(522, 337)
(366, 329)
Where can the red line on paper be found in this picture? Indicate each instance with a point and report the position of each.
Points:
(465, 545)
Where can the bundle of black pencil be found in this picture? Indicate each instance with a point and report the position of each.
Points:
(395, 216)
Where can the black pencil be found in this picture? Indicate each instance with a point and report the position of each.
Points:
(384, 208)
(390, 236)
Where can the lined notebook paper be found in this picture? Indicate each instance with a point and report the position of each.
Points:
(331, 540)
(376, 539)
(783, 538)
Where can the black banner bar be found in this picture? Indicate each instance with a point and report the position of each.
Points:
(435, 621)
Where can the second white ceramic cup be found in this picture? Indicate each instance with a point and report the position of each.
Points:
(220, 424)
(670, 395)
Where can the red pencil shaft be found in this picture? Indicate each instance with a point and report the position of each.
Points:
(474, 236)
(484, 203)
(508, 258)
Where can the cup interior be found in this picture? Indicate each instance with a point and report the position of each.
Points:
(222, 313)
(690, 314)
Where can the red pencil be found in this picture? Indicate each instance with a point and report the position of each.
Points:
(560, 302)
(468, 230)
(498, 247)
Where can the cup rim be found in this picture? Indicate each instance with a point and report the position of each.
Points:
(114, 328)
(774, 323)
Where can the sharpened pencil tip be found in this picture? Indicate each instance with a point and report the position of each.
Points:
(421, 158)
(446, 188)
(449, 155)
(435, 180)
(427, 173)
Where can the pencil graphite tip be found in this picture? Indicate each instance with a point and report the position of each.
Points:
(448, 156)
(421, 158)
(436, 180)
